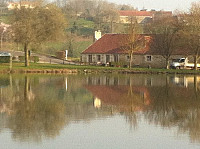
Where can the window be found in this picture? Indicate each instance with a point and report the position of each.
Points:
(98, 58)
(90, 58)
(116, 59)
(148, 58)
(107, 58)
(128, 58)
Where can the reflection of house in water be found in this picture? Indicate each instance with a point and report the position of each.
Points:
(112, 91)
(185, 81)
(106, 80)
(136, 80)
(97, 102)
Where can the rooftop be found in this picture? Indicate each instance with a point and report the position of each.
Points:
(110, 44)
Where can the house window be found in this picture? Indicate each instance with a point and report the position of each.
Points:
(116, 59)
(90, 58)
(107, 58)
(148, 58)
(98, 58)
(128, 58)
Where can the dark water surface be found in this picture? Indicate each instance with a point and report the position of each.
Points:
(99, 111)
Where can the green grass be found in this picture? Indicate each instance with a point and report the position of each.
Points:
(80, 46)
(33, 66)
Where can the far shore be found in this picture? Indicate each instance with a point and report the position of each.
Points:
(74, 69)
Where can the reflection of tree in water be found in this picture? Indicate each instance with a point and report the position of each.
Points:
(35, 117)
(191, 124)
(176, 106)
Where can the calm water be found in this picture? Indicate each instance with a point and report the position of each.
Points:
(99, 111)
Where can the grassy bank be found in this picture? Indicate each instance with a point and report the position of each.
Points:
(59, 68)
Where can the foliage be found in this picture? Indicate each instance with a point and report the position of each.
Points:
(29, 26)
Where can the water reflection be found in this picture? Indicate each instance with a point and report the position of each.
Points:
(35, 107)
(32, 115)
(167, 101)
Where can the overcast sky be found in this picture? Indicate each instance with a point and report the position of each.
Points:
(157, 4)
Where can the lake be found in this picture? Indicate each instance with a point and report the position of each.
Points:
(104, 111)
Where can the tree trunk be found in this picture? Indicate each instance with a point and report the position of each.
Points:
(111, 26)
(131, 60)
(26, 88)
(26, 55)
(167, 63)
(195, 62)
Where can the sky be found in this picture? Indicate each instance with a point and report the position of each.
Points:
(171, 5)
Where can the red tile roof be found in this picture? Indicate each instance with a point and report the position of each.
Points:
(135, 13)
(110, 44)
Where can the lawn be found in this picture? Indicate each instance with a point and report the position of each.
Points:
(89, 68)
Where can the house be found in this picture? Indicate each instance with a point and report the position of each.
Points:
(142, 16)
(124, 15)
(109, 49)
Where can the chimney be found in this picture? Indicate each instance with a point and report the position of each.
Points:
(97, 35)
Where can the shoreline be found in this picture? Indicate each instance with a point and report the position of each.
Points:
(86, 69)
(96, 71)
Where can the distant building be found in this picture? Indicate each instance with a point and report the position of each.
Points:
(26, 4)
(142, 16)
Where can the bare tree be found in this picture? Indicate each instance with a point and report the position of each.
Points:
(191, 31)
(164, 37)
(134, 41)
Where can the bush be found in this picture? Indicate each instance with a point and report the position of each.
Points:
(119, 64)
(4, 59)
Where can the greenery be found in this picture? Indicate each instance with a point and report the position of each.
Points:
(29, 27)
(4, 59)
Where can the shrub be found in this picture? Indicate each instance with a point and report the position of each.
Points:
(4, 59)
(119, 64)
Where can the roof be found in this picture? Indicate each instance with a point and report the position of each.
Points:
(110, 44)
(135, 13)
(118, 95)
